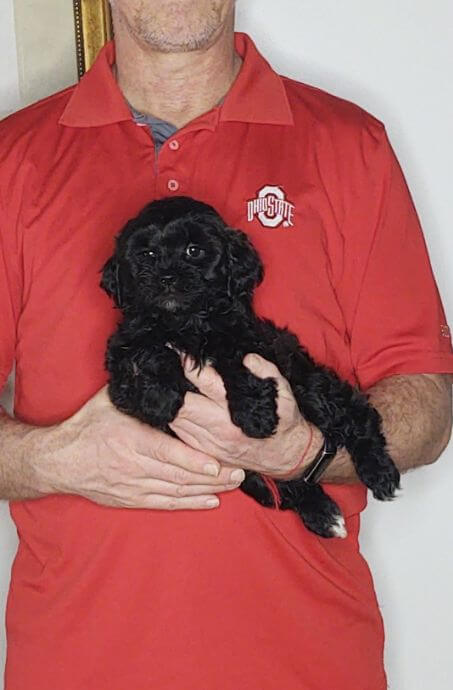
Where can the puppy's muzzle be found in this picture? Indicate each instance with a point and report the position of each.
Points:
(168, 281)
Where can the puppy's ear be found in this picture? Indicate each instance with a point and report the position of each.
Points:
(245, 270)
(111, 282)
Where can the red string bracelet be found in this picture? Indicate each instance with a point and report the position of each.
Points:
(295, 470)
(270, 481)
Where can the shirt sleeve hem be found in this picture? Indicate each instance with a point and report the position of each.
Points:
(422, 364)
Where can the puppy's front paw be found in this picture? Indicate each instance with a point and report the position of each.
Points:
(150, 402)
(159, 407)
(254, 410)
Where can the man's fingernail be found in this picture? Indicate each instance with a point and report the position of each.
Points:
(211, 469)
(237, 476)
(212, 502)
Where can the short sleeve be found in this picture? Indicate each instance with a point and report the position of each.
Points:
(10, 289)
(394, 313)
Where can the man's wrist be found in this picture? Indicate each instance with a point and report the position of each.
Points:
(314, 441)
(315, 446)
(51, 474)
(313, 473)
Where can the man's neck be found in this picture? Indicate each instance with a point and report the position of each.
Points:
(176, 87)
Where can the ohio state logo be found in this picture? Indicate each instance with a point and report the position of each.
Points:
(271, 207)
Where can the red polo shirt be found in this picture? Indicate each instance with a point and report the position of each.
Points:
(241, 597)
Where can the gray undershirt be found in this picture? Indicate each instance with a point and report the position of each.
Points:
(160, 130)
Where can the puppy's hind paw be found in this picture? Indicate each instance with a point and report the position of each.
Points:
(383, 483)
(338, 529)
(386, 489)
(319, 513)
(327, 526)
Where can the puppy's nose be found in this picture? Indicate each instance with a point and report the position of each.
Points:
(167, 280)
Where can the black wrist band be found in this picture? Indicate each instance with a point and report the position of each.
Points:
(322, 460)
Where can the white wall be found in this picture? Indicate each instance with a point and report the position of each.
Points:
(9, 79)
(45, 46)
(395, 59)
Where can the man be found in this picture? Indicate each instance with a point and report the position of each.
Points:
(109, 588)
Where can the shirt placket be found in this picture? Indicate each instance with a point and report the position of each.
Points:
(175, 158)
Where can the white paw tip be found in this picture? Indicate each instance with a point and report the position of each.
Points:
(339, 529)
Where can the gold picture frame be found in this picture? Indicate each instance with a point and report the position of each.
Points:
(93, 28)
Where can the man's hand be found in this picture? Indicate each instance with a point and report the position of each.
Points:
(416, 419)
(112, 459)
(204, 424)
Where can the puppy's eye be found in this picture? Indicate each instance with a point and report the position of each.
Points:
(194, 251)
(149, 252)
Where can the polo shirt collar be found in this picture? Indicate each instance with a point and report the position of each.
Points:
(97, 99)
(257, 95)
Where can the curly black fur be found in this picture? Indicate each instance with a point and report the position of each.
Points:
(184, 282)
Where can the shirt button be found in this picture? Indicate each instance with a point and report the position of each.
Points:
(173, 185)
(174, 145)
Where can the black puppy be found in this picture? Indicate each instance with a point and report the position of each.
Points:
(184, 282)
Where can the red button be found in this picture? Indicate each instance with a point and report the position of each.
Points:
(173, 185)
(174, 145)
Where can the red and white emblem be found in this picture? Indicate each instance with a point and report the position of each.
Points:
(271, 208)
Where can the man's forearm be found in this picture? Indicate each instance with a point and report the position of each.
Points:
(105, 456)
(20, 444)
(416, 421)
(415, 411)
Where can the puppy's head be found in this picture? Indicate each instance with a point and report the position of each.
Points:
(178, 256)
